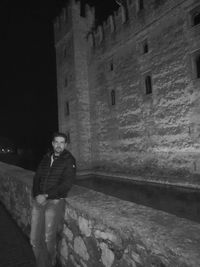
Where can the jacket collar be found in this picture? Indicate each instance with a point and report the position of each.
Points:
(64, 154)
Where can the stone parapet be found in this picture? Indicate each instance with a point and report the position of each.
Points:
(103, 231)
(15, 193)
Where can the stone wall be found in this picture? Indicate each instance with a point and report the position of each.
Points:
(103, 231)
(148, 135)
(15, 193)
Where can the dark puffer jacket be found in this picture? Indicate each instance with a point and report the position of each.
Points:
(55, 180)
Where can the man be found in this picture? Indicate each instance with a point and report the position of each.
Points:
(52, 181)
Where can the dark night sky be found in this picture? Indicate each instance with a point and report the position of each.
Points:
(28, 106)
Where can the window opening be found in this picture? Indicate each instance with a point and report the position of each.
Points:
(65, 52)
(196, 19)
(140, 4)
(111, 66)
(67, 108)
(68, 137)
(145, 47)
(198, 66)
(148, 85)
(113, 97)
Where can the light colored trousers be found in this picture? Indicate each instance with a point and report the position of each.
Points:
(45, 222)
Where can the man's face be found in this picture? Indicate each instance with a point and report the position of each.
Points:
(59, 145)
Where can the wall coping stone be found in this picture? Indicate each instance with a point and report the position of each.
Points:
(7, 170)
(192, 182)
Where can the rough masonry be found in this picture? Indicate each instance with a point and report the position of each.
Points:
(143, 134)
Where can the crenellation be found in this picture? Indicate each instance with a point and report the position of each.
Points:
(100, 33)
(63, 15)
(75, 4)
(106, 24)
(124, 14)
(91, 40)
(137, 19)
(129, 12)
(118, 14)
(112, 23)
(90, 15)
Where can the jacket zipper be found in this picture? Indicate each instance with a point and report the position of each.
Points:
(45, 182)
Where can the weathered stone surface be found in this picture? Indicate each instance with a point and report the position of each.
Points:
(73, 261)
(68, 233)
(64, 249)
(145, 232)
(93, 250)
(107, 255)
(72, 214)
(83, 263)
(85, 226)
(73, 226)
(127, 261)
(107, 236)
(17, 196)
(136, 257)
(80, 248)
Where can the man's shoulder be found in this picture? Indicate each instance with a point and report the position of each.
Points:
(67, 154)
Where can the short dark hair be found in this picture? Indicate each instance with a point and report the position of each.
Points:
(59, 134)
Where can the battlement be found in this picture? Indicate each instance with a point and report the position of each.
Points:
(129, 14)
(130, 17)
(109, 26)
(63, 22)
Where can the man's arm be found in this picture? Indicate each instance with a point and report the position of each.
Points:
(67, 180)
(36, 181)
(36, 193)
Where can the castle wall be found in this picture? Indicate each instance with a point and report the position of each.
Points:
(143, 134)
(146, 134)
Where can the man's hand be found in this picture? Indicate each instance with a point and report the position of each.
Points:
(41, 199)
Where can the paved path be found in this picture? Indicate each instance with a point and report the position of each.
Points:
(15, 250)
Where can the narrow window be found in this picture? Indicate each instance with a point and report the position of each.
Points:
(145, 47)
(111, 66)
(68, 137)
(196, 19)
(140, 5)
(198, 66)
(67, 112)
(113, 97)
(148, 85)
